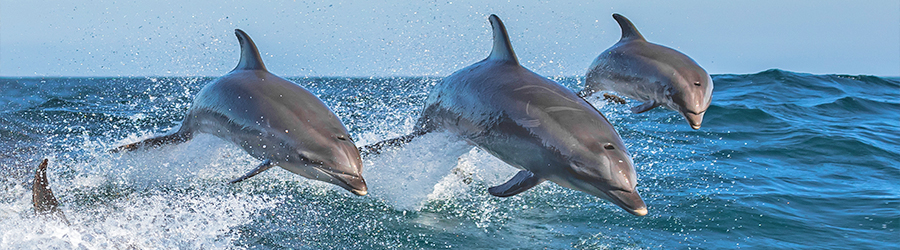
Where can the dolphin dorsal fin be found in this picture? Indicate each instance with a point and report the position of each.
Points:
(42, 197)
(502, 49)
(628, 30)
(250, 59)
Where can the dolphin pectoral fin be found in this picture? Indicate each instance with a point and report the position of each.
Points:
(177, 137)
(265, 165)
(379, 147)
(644, 107)
(523, 180)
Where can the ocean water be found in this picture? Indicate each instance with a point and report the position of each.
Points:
(783, 160)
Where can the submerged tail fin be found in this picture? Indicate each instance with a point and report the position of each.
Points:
(42, 197)
(177, 137)
(379, 147)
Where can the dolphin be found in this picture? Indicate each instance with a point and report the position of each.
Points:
(531, 123)
(274, 120)
(42, 197)
(652, 74)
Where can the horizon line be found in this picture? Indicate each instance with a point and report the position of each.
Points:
(389, 76)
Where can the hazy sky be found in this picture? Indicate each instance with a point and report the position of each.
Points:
(412, 38)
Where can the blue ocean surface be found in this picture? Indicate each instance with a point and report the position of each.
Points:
(784, 160)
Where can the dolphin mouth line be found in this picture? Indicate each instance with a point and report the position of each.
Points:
(688, 113)
(641, 211)
(696, 113)
(346, 184)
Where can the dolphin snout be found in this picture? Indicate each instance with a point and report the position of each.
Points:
(349, 181)
(355, 184)
(630, 201)
(695, 119)
(351, 174)
(639, 212)
(352, 182)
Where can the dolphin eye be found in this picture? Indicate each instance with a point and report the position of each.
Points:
(342, 137)
(609, 147)
(697, 84)
(303, 158)
(307, 160)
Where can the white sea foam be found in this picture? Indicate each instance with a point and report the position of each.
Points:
(436, 166)
(176, 197)
(171, 197)
(158, 220)
(476, 166)
(405, 177)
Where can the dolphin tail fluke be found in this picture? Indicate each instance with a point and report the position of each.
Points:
(523, 180)
(250, 59)
(628, 29)
(42, 197)
(502, 49)
(381, 146)
(177, 137)
(644, 107)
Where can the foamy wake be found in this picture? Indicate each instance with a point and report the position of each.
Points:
(177, 196)
(432, 167)
(174, 198)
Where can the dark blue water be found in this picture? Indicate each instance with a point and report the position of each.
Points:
(783, 160)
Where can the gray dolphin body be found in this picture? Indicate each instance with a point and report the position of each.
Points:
(650, 73)
(533, 124)
(275, 121)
